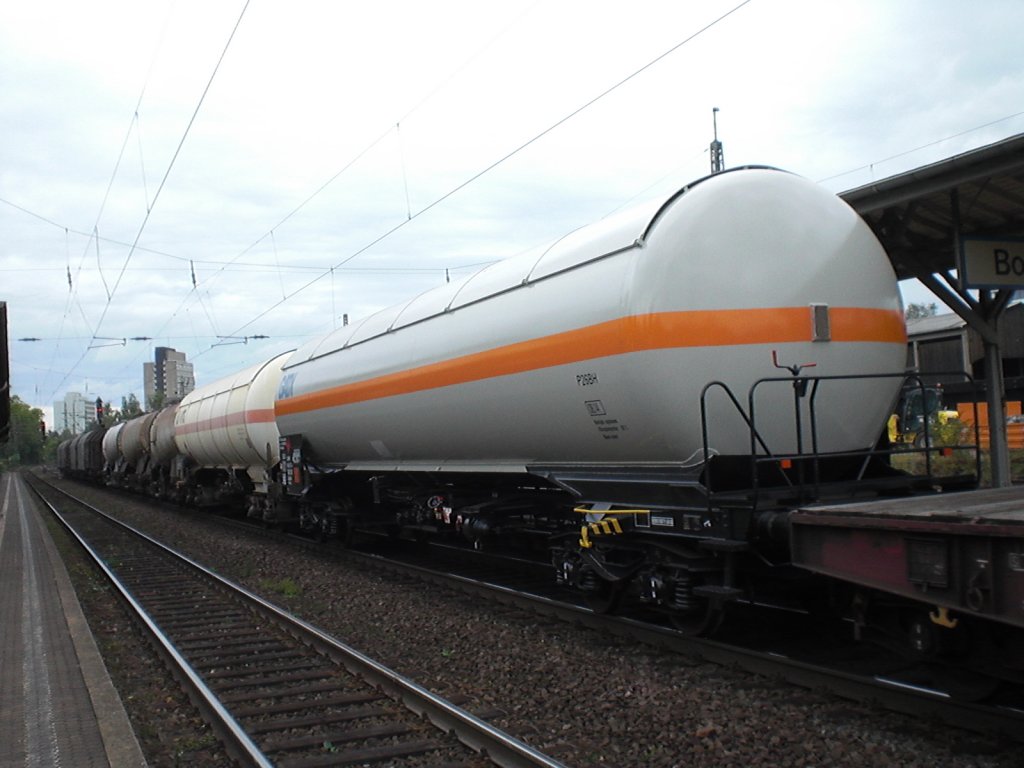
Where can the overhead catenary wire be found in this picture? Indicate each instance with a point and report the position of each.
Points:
(871, 165)
(281, 268)
(73, 296)
(386, 133)
(277, 260)
(254, 267)
(352, 162)
(132, 125)
(136, 123)
(99, 268)
(142, 163)
(174, 157)
(156, 195)
(225, 264)
(405, 175)
(70, 299)
(479, 174)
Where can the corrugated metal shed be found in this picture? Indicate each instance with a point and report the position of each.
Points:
(925, 326)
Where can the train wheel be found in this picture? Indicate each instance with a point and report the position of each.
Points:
(701, 621)
(321, 530)
(601, 595)
(345, 533)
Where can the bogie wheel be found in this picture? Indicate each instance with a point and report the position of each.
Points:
(321, 530)
(701, 621)
(345, 533)
(602, 596)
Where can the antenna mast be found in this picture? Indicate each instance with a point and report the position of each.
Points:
(717, 155)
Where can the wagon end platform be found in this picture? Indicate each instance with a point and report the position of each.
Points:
(961, 552)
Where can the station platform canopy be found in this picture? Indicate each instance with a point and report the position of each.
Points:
(922, 218)
(918, 215)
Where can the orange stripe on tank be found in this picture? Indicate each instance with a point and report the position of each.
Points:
(254, 416)
(259, 415)
(859, 324)
(636, 333)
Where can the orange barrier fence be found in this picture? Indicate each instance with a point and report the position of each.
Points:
(1014, 426)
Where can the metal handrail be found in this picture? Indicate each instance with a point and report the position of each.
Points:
(806, 390)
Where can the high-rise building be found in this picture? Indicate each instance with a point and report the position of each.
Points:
(75, 413)
(170, 375)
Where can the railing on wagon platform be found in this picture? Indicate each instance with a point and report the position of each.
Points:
(800, 472)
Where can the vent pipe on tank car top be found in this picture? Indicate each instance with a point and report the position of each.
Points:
(717, 153)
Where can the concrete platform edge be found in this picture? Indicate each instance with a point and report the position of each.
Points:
(119, 739)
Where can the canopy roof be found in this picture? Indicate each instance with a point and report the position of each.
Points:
(914, 213)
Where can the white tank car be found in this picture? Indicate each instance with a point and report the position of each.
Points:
(162, 448)
(111, 446)
(595, 351)
(134, 440)
(229, 424)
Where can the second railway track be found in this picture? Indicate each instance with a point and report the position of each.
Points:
(767, 659)
(277, 690)
(807, 652)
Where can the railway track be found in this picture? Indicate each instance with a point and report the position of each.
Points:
(275, 689)
(856, 672)
(805, 653)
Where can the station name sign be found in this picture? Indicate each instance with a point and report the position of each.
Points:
(992, 263)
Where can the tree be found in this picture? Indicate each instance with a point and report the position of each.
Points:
(25, 446)
(111, 415)
(130, 407)
(915, 311)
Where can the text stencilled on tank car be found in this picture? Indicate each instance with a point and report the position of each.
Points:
(609, 428)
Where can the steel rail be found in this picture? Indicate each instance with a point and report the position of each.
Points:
(871, 690)
(876, 690)
(501, 748)
(234, 737)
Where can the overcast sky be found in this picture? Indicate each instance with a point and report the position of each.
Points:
(158, 180)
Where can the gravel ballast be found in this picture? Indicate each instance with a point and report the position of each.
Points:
(584, 697)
